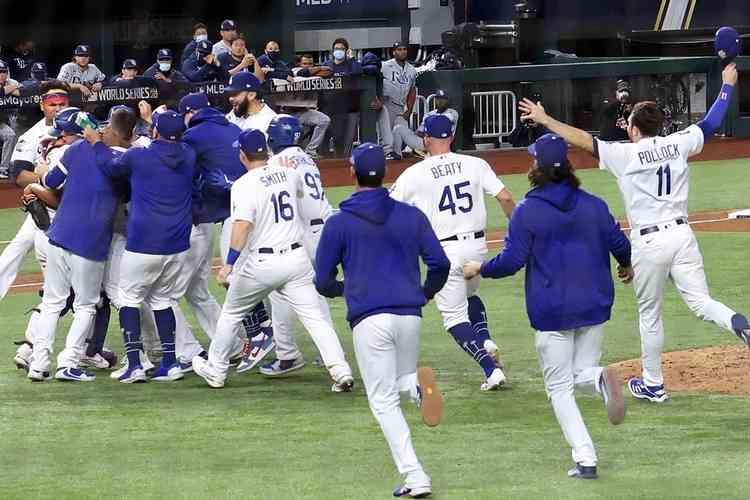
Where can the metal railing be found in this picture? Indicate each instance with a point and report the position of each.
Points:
(494, 114)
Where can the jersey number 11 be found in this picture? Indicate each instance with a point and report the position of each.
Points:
(665, 180)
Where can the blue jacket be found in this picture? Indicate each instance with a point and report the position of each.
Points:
(378, 242)
(83, 223)
(212, 137)
(174, 74)
(161, 179)
(564, 237)
(196, 70)
(348, 67)
(188, 51)
(280, 68)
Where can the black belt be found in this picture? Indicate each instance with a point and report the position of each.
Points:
(294, 246)
(478, 234)
(317, 222)
(655, 229)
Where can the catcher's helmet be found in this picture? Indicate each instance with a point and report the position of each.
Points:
(284, 130)
(67, 121)
(727, 43)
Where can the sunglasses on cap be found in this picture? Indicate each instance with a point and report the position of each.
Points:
(55, 99)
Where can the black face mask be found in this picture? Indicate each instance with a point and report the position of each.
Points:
(274, 55)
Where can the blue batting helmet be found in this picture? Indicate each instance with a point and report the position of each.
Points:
(284, 130)
(727, 43)
(66, 121)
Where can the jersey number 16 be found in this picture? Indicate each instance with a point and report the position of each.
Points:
(452, 195)
(282, 210)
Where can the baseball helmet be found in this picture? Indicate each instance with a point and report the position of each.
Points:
(284, 130)
(67, 121)
(727, 43)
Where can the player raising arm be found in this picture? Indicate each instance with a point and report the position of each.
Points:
(653, 175)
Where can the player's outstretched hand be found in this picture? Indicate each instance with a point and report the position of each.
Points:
(531, 111)
(625, 274)
(729, 75)
(223, 277)
(91, 135)
(471, 269)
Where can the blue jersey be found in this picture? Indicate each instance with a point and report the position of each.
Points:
(83, 223)
(161, 178)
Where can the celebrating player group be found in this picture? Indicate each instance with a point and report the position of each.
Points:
(133, 222)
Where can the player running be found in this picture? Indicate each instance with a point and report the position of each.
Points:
(653, 175)
(449, 188)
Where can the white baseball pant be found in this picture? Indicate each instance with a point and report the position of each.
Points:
(290, 274)
(65, 269)
(570, 362)
(452, 299)
(387, 347)
(149, 279)
(319, 123)
(670, 253)
(13, 254)
(41, 249)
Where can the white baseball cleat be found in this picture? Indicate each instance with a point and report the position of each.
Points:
(168, 373)
(344, 384)
(494, 381)
(22, 359)
(95, 361)
(73, 375)
(419, 492)
(134, 375)
(146, 365)
(36, 376)
(203, 368)
(279, 367)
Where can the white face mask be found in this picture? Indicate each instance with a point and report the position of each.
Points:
(200, 38)
(165, 66)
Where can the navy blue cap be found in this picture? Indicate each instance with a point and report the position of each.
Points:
(550, 150)
(242, 81)
(438, 126)
(400, 43)
(204, 47)
(440, 94)
(164, 55)
(251, 141)
(193, 102)
(82, 50)
(727, 43)
(369, 160)
(129, 64)
(228, 25)
(38, 68)
(169, 124)
(3, 66)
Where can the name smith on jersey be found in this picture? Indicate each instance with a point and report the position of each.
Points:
(275, 178)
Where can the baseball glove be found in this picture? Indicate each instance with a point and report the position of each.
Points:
(38, 211)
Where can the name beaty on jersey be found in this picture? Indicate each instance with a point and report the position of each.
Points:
(660, 155)
(446, 169)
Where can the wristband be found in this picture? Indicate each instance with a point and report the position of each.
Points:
(232, 256)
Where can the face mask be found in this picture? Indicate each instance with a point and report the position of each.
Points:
(165, 66)
(200, 38)
(274, 55)
(339, 55)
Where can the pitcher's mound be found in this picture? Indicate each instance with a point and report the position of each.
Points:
(722, 370)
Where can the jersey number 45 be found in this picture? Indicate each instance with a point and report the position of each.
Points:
(454, 198)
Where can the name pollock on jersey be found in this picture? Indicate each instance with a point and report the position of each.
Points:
(446, 169)
(660, 155)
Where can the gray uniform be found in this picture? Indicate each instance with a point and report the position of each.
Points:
(73, 73)
(7, 135)
(402, 134)
(397, 83)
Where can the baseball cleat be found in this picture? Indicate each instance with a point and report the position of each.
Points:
(422, 492)
(22, 359)
(187, 365)
(653, 393)
(345, 384)
(491, 347)
(36, 376)
(280, 367)
(95, 361)
(494, 381)
(429, 397)
(168, 373)
(134, 375)
(612, 391)
(203, 368)
(741, 328)
(73, 375)
(146, 365)
(255, 350)
(583, 472)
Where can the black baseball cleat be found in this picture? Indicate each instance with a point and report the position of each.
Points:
(583, 472)
(741, 328)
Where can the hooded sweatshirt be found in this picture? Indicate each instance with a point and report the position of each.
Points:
(213, 139)
(378, 242)
(161, 179)
(563, 236)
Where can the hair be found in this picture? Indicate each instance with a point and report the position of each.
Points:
(123, 122)
(240, 36)
(342, 41)
(199, 26)
(541, 176)
(648, 118)
(256, 156)
(369, 181)
(48, 85)
(272, 41)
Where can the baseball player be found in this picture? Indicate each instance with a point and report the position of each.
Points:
(266, 219)
(385, 315)
(399, 91)
(248, 111)
(449, 188)
(563, 236)
(402, 134)
(653, 175)
(158, 235)
(88, 207)
(81, 74)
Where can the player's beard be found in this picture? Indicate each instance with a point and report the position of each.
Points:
(242, 108)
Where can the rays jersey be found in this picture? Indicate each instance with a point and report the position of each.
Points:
(314, 205)
(652, 174)
(268, 197)
(450, 190)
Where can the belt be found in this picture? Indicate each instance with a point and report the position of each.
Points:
(317, 222)
(655, 229)
(477, 235)
(294, 246)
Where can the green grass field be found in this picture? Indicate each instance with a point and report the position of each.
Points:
(291, 438)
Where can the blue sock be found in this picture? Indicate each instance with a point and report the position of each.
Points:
(478, 318)
(253, 321)
(101, 325)
(465, 337)
(130, 324)
(166, 325)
